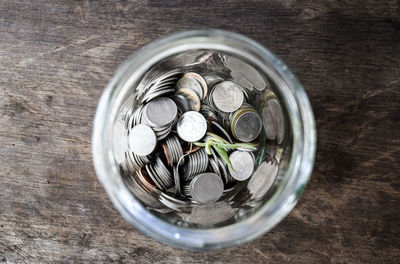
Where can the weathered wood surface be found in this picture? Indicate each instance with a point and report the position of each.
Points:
(57, 56)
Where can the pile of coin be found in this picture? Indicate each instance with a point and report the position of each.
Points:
(177, 109)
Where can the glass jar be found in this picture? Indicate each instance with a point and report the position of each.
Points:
(284, 164)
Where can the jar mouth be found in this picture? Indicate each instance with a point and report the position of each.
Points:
(272, 211)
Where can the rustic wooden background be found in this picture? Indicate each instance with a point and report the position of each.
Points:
(56, 57)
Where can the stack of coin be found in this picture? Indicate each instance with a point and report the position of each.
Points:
(160, 114)
(197, 163)
(176, 110)
(160, 175)
(172, 150)
(135, 162)
(135, 118)
(160, 86)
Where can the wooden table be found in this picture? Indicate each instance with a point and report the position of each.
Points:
(56, 57)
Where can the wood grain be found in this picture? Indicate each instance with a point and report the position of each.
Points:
(56, 57)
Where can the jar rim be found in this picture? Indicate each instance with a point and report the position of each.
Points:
(269, 213)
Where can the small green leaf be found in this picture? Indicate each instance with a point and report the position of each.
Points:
(224, 156)
(200, 144)
(208, 147)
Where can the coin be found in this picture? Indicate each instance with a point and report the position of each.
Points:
(214, 167)
(142, 140)
(192, 99)
(228, 96)
(245, 74)
(154, 94)
(243, 165)
(262, 179)
(163, 173)
(152, 174)
(173, 201)
(190, 82)
(224, 172)
(269, 125)
(160, 112)
(247, 127)
(177, 180)
(277, 117)
(206, 188)
(201, 80)
(191, 126)
(154, 81)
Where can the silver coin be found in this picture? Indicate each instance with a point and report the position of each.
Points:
(245, 74)
(243, 163)
(174, 149)
(190, 83)
(269, 125)
(228, 96)
(206, 188)
(131, 166)
(262, 179)
(137, 116)
(163, 133)
(152, 95)
(186, 189)
(136, 162)
(173, 201)
(163, 173)
(177, 148)
(247, 126)
(154, 168)
(277, 117)
(224, 172)
(154, 80)
(214, 167)
(151, 174)
(206, 160)
(161, 111)
(177, 180)
(197, 163)
(191, 126)
(177, 175)
(142, 140)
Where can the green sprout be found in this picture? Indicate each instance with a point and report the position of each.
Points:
(221, 146)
